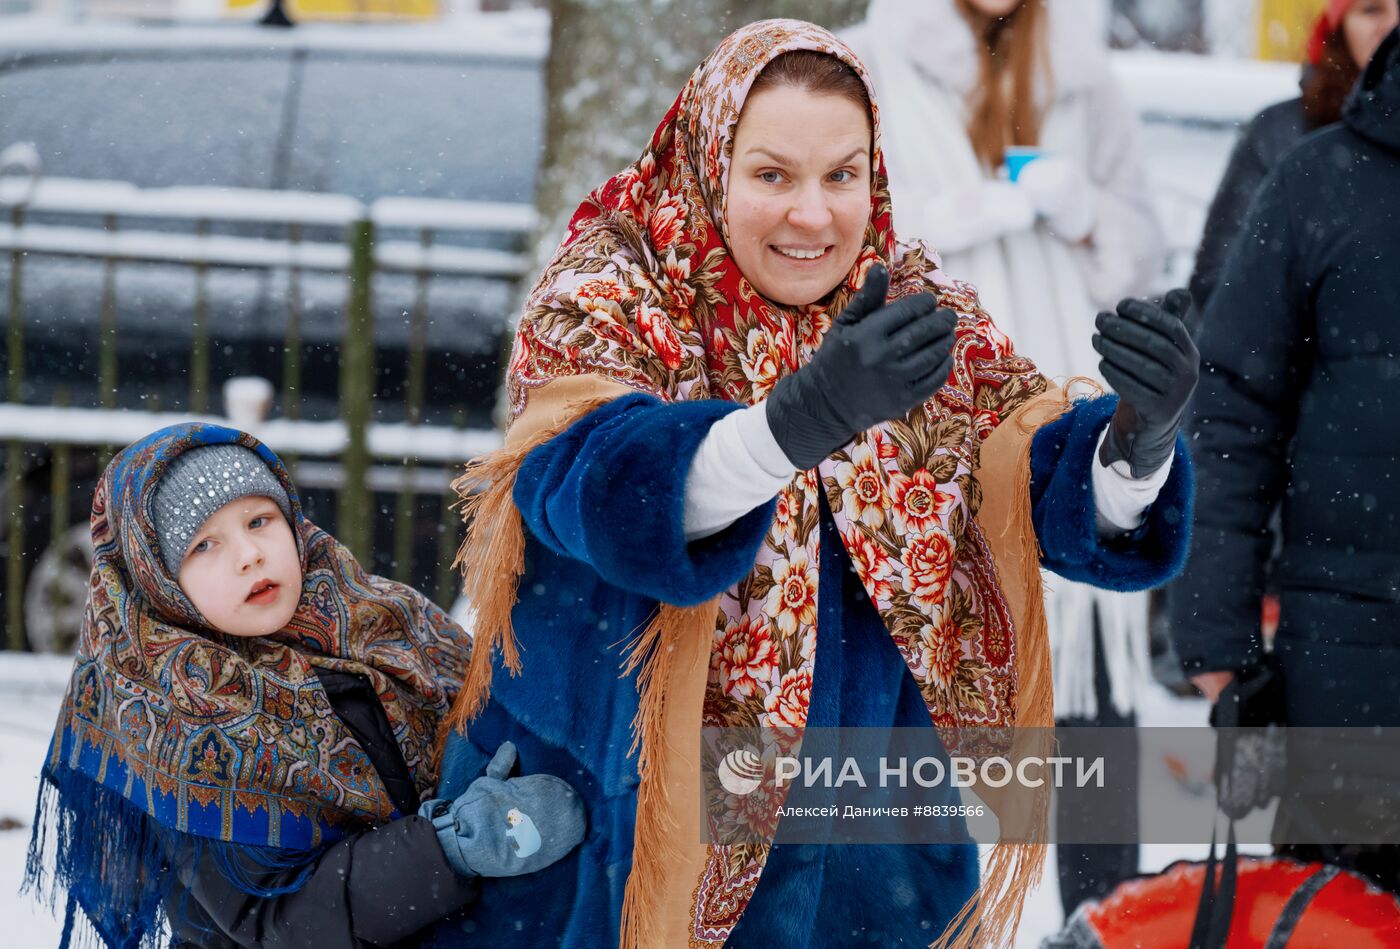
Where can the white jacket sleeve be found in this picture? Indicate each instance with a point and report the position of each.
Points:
(738, 466)
(1126, 251)
(1120, 500)
(958, 218)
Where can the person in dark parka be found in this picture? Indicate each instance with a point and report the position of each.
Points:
(1343, 42)
(1298, 403)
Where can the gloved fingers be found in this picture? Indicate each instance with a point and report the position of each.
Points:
(944, 320)
(1142, 367)
(542, 787)
(869, 298)
(538, 820)
(1182, 369)
(918, 335)
(875, 336)
(1163, 321)
(919, 362)
(563, 808)
(893, 318)
(1129, 388)
(503, 761)
(1178, 303)
(1143, 339)
(932, 380)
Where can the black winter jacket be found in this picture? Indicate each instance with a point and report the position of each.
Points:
(1266, 139)
(1299, 400)
(376, 888)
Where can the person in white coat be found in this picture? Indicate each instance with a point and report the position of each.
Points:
(1073, 234)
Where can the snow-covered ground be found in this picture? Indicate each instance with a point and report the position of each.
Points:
(31, 688)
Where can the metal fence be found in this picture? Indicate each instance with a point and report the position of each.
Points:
(352, 455)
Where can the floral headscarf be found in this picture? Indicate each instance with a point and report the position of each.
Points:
(167, 722)
(643, 292)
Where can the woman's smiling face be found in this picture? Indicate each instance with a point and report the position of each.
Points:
(798, 199)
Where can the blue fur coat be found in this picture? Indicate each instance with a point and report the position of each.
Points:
(603, 507)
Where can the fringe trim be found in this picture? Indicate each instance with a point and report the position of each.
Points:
(112, 861)
(652, 654)
(95, 847)
(1123, 624)
(1123, 619)
(492, 559)
(992, 915)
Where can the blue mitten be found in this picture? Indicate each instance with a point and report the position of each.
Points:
(507, 826)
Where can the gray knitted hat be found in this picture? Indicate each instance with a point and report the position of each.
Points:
(200, 482)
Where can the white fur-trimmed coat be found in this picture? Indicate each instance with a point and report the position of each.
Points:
(1043, 291)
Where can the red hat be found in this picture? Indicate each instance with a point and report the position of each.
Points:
(1327, 23)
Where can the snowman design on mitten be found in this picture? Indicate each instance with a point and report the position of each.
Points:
(524, 836)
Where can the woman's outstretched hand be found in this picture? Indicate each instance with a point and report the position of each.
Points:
(876, 363)
(1152, 363)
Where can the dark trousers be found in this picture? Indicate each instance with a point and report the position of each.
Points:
(1090, 871)
(1344, 816)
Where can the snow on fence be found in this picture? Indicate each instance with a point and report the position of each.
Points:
(351, 454)
(1191, 107)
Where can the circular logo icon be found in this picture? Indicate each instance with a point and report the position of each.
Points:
(741, 771)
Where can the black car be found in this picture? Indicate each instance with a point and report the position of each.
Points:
(447, 112)
(412, 111)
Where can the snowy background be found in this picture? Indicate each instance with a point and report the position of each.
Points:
(1191, 104)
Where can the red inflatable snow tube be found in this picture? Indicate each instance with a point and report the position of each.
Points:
(1278, 903)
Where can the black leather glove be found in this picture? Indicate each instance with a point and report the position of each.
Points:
(1151, 362)
(876, 363)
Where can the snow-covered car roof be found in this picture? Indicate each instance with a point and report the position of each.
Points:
(513, 35)
(1185, 87)
(445, 110)
(1174, 86)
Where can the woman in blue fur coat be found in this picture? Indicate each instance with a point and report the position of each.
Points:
(769, 467)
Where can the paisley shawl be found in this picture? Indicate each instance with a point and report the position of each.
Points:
(167, 722)
(642, 295)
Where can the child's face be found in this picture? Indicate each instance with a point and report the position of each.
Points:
(241, 570)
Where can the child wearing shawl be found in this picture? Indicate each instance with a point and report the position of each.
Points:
(246, 745)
